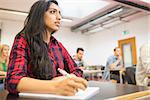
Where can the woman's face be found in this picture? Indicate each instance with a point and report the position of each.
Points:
(5, 51)
(52, 17)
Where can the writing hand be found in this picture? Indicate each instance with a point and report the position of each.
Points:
(69, 85)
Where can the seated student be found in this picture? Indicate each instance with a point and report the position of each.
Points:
(36, 56)
(143, 67)
(113, 62)
(78, 58)
(3, 64)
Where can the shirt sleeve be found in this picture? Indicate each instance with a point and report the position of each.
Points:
(109, 61)
(69, 62)
(17, 67)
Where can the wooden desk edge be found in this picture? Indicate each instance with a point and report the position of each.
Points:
(132, 95)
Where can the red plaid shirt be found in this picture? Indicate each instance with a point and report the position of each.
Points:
(19, 62)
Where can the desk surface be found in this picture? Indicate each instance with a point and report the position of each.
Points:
(91, 71)
(107, 90)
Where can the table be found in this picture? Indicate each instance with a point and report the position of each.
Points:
(107, 90)
(147, 74)
(91, 73)
(121, 72)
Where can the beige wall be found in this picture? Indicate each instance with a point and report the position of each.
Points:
(102, 43)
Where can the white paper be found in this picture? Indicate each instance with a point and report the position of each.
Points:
(80, 95)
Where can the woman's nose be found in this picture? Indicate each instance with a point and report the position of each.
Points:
(59, 16)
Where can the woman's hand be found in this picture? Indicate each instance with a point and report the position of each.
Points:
(68, 85)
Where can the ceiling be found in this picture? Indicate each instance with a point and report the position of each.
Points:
(92, 13)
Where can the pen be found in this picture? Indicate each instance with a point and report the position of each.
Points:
(63, 72)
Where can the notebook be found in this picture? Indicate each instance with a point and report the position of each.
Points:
(80, 95)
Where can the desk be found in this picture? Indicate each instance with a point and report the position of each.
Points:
(107, 90)
(91, 73)
(120, 72)
(147, 75)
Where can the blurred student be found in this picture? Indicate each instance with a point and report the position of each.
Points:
(4, 55)
(114, 62)
(78, 58)
(36, 56)
(143, 67)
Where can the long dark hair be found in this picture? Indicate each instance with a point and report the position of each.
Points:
(35, 30)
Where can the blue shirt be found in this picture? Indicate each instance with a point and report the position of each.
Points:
(112, 59)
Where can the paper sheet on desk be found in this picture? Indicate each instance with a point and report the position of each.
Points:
(80, 95)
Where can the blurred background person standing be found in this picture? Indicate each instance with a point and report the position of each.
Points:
(143, 67)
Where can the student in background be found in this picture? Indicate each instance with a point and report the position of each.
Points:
(78, 58)
(4, 57)
(143, 67)
(36, 55)
(113, 62)
(3, 63)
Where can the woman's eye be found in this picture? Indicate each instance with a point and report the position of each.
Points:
(53, 12)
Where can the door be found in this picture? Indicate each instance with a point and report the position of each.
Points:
(128, 49)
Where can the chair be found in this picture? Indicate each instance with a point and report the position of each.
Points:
(130, 75)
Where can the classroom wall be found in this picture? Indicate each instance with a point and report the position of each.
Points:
(72, 40)
(101, 44)
(9, 29)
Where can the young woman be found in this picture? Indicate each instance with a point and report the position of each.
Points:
(36, 55)
(4, 57)
(3, 64)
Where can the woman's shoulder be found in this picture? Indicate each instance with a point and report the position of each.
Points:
(55, 41)
(20, 35)
(20, 39)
